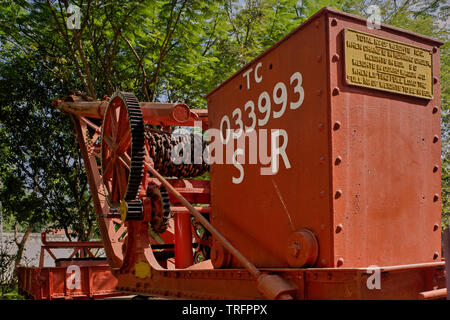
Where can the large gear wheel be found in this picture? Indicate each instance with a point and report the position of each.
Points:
(123, 145)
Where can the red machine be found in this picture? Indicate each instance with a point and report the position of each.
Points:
(325, 185)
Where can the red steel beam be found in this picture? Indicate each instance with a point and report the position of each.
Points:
(70, 244)
(167, 114)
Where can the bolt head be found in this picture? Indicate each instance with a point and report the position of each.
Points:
(336, 125)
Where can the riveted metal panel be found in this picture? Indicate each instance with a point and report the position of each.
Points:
(259, 213)
(389, 172)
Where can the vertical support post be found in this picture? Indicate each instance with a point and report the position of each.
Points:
(42, 258)
(447, 259)
(183, 240)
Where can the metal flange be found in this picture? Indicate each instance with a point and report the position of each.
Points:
(302, 249)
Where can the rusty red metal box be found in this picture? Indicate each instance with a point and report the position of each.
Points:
(361, 167)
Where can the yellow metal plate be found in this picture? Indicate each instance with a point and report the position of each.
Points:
(142, 270)
(383, 64)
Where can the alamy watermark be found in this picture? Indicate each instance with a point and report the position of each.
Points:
(374, 280)
(74, 20)
(374, 19)
(266, 147)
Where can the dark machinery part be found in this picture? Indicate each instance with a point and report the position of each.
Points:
(162, 145)
(160, 208)
(137, 145)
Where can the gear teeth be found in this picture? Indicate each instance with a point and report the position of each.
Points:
(161, 221)
(137, 145)
(134, 210)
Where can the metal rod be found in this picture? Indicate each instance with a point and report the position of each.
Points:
(150, 110)
(433, 294)
(235, 252)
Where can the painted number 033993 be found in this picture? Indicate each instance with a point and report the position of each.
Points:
(279, 97)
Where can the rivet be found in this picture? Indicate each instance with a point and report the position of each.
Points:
(436, 255)
(435, 79)
(319, 58)
(340, 262)
(337, 125)
(334, 22)
(436, 227)
(435, 138)
(338, 160)
(339, 228)
(321, 126)
(336, 91)
(322, 194)
(323, 261)
(319, 92)
(322, 159)
(435, 49)
(335, 57)
(435, 197)
(435, 109)
(338, 194)
(435, 168)
(322, 226)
